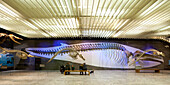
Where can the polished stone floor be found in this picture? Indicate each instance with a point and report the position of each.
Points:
(100, 77)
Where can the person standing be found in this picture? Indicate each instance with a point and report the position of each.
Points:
(68, 67)
(72, 67)
(81, 68)
(84, 67)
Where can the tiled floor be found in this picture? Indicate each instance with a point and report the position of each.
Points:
(100, 77)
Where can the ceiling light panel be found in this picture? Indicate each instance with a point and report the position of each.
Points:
(53, 24)
(96, 33)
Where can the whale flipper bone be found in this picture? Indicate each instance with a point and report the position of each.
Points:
(61, 51)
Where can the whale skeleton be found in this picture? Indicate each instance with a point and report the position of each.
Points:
(20, 54)
(117, 51)
(11, 36)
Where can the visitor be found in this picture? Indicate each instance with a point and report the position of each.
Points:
(72, 67)
(68, 68)
(62, 69)
(84, 67)
(81, 68)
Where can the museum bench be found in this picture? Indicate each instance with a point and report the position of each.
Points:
(156, 70)
(76, 71)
